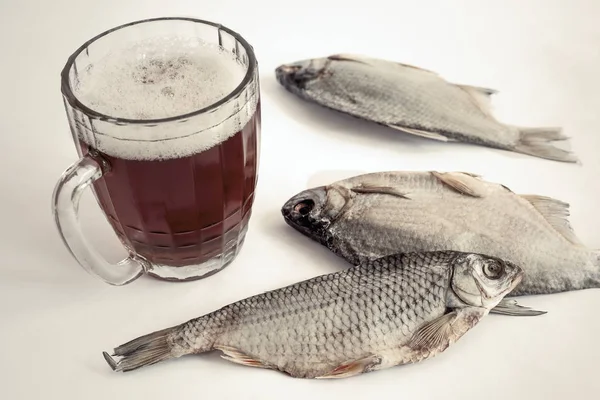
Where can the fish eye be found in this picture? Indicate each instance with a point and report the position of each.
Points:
(493, 270)
(304, 207)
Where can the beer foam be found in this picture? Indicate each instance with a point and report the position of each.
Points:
(163, 78)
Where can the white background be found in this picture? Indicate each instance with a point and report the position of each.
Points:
(543, 56)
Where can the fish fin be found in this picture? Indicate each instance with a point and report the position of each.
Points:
(536, 142)
(434, 333)
(346, 57)
(378, 190)
(481, 98)
(479, 89)
(352, 368)
(374, 61)
(239, 357)
(145, 350)
(471, 174)
(420, 132)
(511, 307)
(458, 182)
(556, 212)
(415, 67)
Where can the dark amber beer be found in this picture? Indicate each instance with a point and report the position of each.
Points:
(187, 210)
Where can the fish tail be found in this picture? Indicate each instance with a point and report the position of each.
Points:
(145, 350)
(537, 142)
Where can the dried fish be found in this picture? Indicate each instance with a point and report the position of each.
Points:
(372, 215)
(414, 101)
(398, 309)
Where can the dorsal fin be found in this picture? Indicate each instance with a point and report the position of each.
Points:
(346, 57)
(556, 212)
(480, 97)
(374, 61)
(479, 89)
(460, 182)
(415, 67)
(472, 174)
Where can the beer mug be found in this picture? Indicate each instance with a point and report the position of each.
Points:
(165, 116)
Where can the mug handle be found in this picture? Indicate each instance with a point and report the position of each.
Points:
(65, 207)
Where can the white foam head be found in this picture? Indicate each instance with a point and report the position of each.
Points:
(163, 78)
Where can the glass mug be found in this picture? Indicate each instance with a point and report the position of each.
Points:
(165, 115)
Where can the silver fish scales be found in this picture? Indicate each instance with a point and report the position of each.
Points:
(371, 215)
(394, 310)
(414, 101)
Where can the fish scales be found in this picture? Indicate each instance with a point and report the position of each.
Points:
(448, 211)
(406, 99)
(414, 101)
(393, 310)
(341, 306)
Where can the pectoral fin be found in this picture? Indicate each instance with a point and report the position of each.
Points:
(364, 189)
(434, 334)
(352, 368)
(511, 307)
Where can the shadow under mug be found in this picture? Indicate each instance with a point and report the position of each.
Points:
(177, 190)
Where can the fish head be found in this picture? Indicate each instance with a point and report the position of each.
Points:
(297, 76)
(312, 211)
(483, 281)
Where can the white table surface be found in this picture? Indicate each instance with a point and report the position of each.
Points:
(543, 56)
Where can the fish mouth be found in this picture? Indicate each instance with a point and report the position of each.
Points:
(285, 75)
(302, 212)
(295, 76)
(302, 225)
(284, 71)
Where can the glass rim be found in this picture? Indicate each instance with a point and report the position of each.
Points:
(77, 104)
